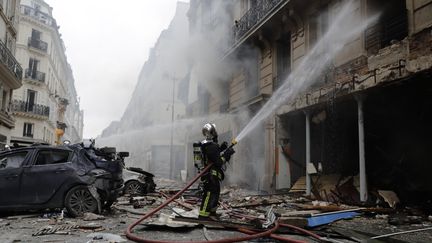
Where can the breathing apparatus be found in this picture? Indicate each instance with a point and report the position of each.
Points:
(198, 155)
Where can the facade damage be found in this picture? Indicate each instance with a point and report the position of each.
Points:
(365, 120)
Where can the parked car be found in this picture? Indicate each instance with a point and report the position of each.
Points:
(48, 177)
(138, 181)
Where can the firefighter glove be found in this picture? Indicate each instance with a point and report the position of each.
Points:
(223, 146)
(227, 154)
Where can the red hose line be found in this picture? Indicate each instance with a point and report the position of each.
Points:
(136, 238)
(307, 232)
(277, 237)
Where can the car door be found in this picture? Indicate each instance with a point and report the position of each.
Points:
(50, 169)
(10, 176)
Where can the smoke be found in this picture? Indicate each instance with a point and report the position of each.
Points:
(343, 29)
(190, 57)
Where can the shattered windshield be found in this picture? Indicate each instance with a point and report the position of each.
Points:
(12, 160)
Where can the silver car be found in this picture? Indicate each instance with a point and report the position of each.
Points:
(137, 181)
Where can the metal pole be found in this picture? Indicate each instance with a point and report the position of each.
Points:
(172, 133)
(362, 161)
(308, 157)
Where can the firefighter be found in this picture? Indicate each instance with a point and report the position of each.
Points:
(218, 156)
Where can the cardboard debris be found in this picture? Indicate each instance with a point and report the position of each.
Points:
(390, 197)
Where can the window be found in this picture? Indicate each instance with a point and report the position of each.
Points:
(12, 160)
(4, 100)
(28, 130)
(33, 66)
(31, 99)
(52, 157)
(36, 35)
(283, 55)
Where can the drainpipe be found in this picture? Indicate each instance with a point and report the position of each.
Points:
(308, 157)
(362, 161)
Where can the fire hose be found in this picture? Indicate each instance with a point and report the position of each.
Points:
(252, 234)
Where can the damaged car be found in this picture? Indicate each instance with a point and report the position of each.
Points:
(138, 181)
(49, 177)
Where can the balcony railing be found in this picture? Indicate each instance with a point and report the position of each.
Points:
(38, 44)
(9, 60)
(35, 75)
(253, 17)
(26, 107)
(38, 15)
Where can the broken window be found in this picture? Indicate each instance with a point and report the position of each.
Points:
(392, 24)
(14, 160)
(52, 157)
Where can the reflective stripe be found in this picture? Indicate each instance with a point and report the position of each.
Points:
(217, 174)
(203, 211)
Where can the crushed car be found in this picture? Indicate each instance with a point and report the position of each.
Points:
(79, 177)
(137, 181)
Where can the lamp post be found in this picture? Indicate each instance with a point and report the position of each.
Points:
(172, 131)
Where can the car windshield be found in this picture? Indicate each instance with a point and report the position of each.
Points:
(14, 160)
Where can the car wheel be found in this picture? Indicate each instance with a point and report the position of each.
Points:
(79, 200)
(133, 188)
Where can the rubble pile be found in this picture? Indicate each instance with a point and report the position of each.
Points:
(238, 209)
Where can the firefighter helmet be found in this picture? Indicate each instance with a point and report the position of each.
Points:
(209, 131)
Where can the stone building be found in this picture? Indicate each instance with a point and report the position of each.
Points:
(46, 107)
(366, 115)
(10, 70)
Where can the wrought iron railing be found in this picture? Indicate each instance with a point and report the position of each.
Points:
(38, 15)
(34, 75)
(253, 17)
(31, 108)
(38, 44)
(9, 60)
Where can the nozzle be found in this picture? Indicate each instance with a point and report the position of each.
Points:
(234, 142)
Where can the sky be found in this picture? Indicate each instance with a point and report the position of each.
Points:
(107, 43)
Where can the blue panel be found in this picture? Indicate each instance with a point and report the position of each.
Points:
(326, 219)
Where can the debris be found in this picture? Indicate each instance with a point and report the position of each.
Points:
(270, 218)
(299, 213)
(206, 236)
(389, 197)
(296, 221)
(402, 219)
(129, 210)
(48, 230)
(111, 238)
(169, 221)
(26, 216)
(220, 223)
(400, 233)
(430, 218)
(90, 226)
(329, 218)
(92, 216)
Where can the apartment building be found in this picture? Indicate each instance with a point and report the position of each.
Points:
(46, 107)
(10, 70)
(367, 115)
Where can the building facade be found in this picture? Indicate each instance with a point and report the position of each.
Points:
(365, 115)
(10, 70)
(46, 107)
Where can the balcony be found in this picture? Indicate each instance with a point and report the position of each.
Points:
(20, 107)
(6, 119)
(38, 15)
(38, 44)
(36, 76)
(10, 70)
(254, 17)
